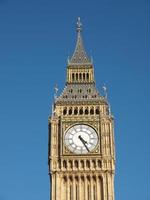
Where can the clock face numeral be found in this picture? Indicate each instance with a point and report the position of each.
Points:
(81, 139)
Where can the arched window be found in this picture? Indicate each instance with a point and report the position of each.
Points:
(59, 164)
(84, 76)
(92, 111)
(76, 77)
(70, 164)
(81, 111)
(65, 164)
(97, 111)
(75, 111)
(76, 163)
(82, 164)
(99, 163)
(73, 76)
(86, 111)
(65, 111)
(70, 111)
(87, 76)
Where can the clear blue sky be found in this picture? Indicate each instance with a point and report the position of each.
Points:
(36, 37)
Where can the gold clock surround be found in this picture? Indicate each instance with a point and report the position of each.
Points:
(81, 139)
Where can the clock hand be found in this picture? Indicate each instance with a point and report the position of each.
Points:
(84, 142)
(82, 139)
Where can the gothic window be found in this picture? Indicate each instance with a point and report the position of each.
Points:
(97, 111)
(70, 164)
(76, 164)
(73, 77)
(59, 164)
(70, 111)
(76, 77)
(81, 111)
(99, 163)
(82, 164)
(86, 111)
(92, 111)
(75, 111)
(65, 164)
(87, 76)
(65, 111)
(84, 76)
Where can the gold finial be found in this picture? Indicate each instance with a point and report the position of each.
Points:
(79, 25)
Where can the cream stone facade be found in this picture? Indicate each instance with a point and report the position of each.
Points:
(81, 166)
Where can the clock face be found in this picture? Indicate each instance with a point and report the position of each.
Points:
(81, 139)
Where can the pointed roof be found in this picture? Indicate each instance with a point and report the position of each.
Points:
(79, 56)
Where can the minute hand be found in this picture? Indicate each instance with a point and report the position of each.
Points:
(84, 143)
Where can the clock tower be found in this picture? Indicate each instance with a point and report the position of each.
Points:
(81, 135)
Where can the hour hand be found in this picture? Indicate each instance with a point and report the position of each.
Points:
(84, 142)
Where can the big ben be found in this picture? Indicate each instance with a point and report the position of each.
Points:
(81, 135)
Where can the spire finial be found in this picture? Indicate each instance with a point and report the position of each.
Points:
(79, 25)
(105, 91)
(56, 91)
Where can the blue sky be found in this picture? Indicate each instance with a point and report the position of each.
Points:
(36, 37)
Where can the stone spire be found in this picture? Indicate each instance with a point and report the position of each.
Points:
(79, 56)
